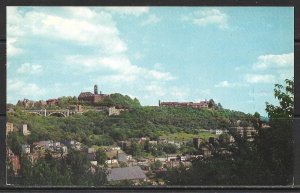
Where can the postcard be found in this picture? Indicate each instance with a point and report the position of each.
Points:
(149, 96)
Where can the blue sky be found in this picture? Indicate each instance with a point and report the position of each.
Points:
(233, 55)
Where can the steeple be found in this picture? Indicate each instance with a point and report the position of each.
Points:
(95, 89)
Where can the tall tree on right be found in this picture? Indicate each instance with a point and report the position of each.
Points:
(275, 144)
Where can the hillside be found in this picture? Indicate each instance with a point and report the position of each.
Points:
(97, 128)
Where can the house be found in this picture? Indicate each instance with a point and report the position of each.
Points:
(112, 162)
(52, 102)
(218, 132)
(114, 111)
(116, 148)
(41, 103)
(205, 152)
(248, 132)
(25, 148)
(46, 145)
(161, 159)
(162, 140)
(73, 144)
(172, 157)
(134, 173)
(9, 127)
(153, 142)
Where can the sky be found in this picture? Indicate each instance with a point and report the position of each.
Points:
(233, 55)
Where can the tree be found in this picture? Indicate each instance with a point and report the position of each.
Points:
(211, 104)
(156, 165)
(275, 145)
(256, 115)
(220, 107)
(101, 157)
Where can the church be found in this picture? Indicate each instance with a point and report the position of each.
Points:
(92, 97)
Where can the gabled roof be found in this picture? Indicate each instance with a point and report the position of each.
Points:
(128, 173)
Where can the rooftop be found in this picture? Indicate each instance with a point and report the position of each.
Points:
(128, 173)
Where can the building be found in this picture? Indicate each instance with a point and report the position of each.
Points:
(9, 127)
(41, 103)
(218, 131)
(25, 130)
(52, 102)
(248, 132)
(134, 173)
(205, 152)
(26, 103)
(90, 97)
(25, 148)
(114, 111)
(200, 105)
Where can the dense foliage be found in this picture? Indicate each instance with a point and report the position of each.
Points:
(97, 128)
(75, 169)
(119, 101)
(268, 160)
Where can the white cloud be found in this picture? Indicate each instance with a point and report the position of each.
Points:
(226, 84)
(135, 11)
(93, 29)
(208, 17)
(138, 55)
(28, 68)
(260, 78)
(274, 61)
(152, 19)
(19, 87)
(12, 50)
(160, 75)
(117, 68)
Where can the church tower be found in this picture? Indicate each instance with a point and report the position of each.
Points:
(95, 89)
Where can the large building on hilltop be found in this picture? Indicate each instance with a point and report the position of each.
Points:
(200, 105)
(92, 97)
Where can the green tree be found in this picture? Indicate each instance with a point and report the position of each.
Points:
(275, 144)
(101, 157)
(211, 104)
(256, 115)
(156, 165)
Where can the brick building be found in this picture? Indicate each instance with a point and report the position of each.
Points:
(247, 132)
(52, 101)
(200, 105)
(92, 97)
